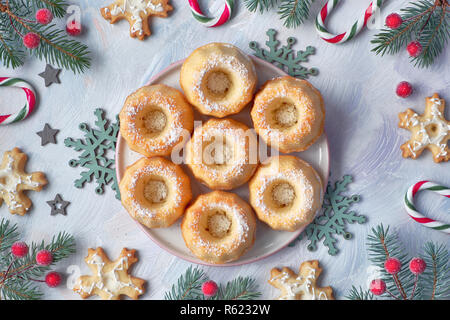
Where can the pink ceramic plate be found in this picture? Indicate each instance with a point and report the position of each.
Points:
(267, 241)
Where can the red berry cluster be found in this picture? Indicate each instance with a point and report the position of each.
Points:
(393, 266)
(43, 258)
(394, 21)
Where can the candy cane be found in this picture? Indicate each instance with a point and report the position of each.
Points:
(353, 31)
(29, 106)
(224, 16)
(411, 208)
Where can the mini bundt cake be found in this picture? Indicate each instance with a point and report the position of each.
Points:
(289, 114)
(286, 193)
(218, 79)
(219, 227)
(156, 118)
(222, 153)
(155, 191)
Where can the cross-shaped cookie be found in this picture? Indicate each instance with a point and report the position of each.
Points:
(110, 279)
(301, 286)
(430, 130)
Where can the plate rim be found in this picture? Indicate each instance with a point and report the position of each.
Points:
(295, 234)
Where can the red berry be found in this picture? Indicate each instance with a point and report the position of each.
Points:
(44, 258)
(209, 288)
(378, 287)
(414, 48)
(53, 279)
(417, 266)
(44, 16)
(31, 40)
(404, 89)
(73, 28)
(393, 21)
(392, 265)
(19, 249)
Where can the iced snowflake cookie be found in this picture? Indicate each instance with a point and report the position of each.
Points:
(155, 119)
(137, 12)
(430, 130)
(219, 227)
(301, 286)
(110, 279)
(222, 154)
(286, 193)
(14, 181)
(218, 79)
(289, 114)
(155, 191)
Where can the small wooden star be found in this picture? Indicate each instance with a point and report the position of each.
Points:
(58, 205)
(50, 75)
(428, 131)
(48, 135)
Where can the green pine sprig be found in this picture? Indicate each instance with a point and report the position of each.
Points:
(292, 12)
(425, 21)
(359, 294)
(189, 287)
(18, 276)
(435, 281)
(56, 47)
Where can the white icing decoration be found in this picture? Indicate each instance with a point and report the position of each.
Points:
(134, 8)
(437, 120)
(305, 287)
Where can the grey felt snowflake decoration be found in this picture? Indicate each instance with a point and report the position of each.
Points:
(285, 57)
(334, 218)
(95, 145)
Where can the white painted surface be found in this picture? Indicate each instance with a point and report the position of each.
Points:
(359, 91)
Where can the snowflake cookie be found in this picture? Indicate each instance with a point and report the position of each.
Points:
(111, 278)
(301, 286)
(430, 130)
(14, 180)
(137, 12)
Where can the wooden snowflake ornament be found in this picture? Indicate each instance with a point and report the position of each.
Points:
(14, 181)
(302, 286)
(430, 130)
(137, 12)
(111, 278)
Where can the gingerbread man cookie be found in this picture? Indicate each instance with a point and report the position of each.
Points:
(430, 130)
(137, 12)
(14, 181)
(302, 286)
(111, 278)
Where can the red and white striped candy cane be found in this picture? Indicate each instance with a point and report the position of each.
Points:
(29, 106)
(418, 217)
(224, 16)
(355, 28)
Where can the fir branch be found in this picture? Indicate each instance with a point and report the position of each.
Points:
(426, 21)
(8, 235)
(189, 286)
(294, 12)
(381, 246)
(359, 294)
(56, 47)
(435, 281)
(261, 5)
(238, 289)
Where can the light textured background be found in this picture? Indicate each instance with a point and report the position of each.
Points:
(359, 91)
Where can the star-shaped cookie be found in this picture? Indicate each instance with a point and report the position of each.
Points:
(430, 130)
(14, 181)
(137, 12)
(302, 286)
(58, 205)
(110, 279)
